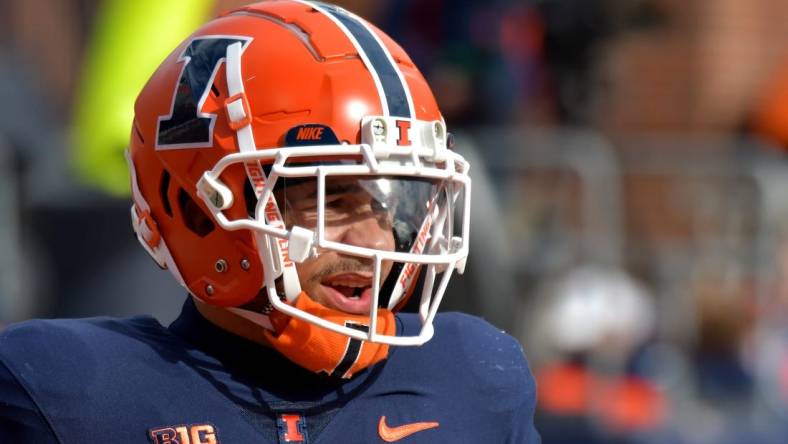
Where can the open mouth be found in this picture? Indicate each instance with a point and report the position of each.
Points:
(349, 292)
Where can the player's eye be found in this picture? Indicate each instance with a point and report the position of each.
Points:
(379, 207)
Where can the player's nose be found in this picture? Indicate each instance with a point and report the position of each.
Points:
(369, 232)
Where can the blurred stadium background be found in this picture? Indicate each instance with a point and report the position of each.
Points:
(631, 190)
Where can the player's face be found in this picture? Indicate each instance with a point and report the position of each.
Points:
(352, 216)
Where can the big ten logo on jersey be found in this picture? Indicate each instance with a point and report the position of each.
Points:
(192, 434)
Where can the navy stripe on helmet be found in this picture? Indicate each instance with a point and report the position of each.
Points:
(392, 84)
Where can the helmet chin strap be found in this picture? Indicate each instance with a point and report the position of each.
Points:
(317, 349)
(239, 118)
(323, 351)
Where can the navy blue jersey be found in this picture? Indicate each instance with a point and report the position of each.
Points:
(134, 381)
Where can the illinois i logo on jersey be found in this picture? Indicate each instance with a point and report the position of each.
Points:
(292, 428)
(183, 434)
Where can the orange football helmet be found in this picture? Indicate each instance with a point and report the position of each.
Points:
(286, 94)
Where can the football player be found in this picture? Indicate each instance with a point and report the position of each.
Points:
(291, 169)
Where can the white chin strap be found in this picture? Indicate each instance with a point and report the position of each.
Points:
(240, 118)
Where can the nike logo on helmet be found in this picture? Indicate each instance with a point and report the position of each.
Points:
(392, 434)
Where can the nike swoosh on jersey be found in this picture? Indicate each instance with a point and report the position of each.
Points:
(392, 434)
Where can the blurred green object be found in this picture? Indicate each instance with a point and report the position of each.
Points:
(130, 40)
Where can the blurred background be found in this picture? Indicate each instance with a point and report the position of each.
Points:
(630, 200)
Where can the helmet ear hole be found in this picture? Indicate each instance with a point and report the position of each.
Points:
(164, 188)
(194, 218)
(250, 197)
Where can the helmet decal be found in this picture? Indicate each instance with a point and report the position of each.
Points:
(394, 93)
(187, 126)
(311, 134)
(404, 129)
